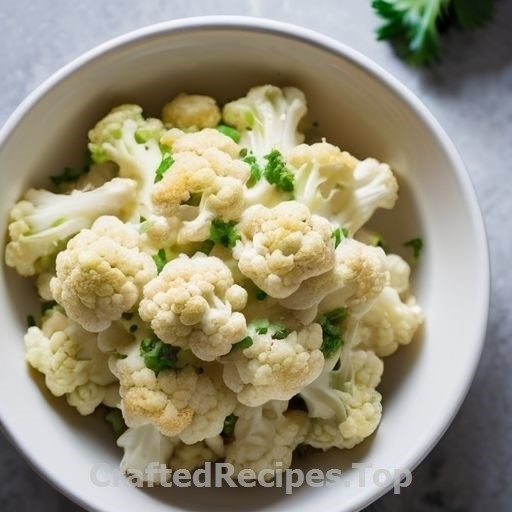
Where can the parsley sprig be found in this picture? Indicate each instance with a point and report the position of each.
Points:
(413, 26)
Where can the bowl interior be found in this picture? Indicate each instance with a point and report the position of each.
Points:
(356, 107)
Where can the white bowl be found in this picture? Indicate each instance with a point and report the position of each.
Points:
(358, 106)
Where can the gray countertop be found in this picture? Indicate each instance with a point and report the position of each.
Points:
(470, 93)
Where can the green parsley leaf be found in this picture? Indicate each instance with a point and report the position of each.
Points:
(256, 171)
(31, 321)
(160, 259)
(158, 355)
(413, 25)
(165, 164)
(245, 343)
(114, 416)
(278, 331)
(276, 172)
(261, 295)
(260, 326)
(231, 132)
(338, 235)
(332, 330)
(47, 305)
(416, 244)
(229, 426)
(224, 233)
(67, 175)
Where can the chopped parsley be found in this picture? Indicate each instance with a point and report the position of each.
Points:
(231, 132)
(276, 172)
(416, 244)
(116, 420)
(332, 330)
(277, 330)
(261, 295)
(338, 235)
(256, 171)
(160, 259)
(158, 355)
(165, 164)
(224, 233)
(413, 26)
(245, 343)
(229, 426)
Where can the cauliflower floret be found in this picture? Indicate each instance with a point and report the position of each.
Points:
(358, 277)
(211, 403)
(274, 367)
(337, 186)
(191, 112)
(205, 182)
(202, 143)
(178, 402)
(42, 222)
(282, 246)
(101, 273)
(193, 456)
(88, 396)
(343, 405)
(124, 137)
(389, 323)
(399, 273)
(144, 446)
(265, 437)
(364, 411)
(267, 118)
(146, 449)
(191, 304)
(70, 360)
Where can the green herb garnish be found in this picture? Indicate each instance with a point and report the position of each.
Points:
(276, 172)
(165, 164)
(245, 343)
(67, 175)
(116, 420)
(261, 295)
(231, 132)
(158, 355)
(46, 306)
(224, 233)
(229, 426)
(278, 331)
(416, 244)
(160, 259)
(413, 25)
(256, 171)
(332, 330)
(338, 235)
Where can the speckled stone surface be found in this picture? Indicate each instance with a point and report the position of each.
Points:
(471, 96)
